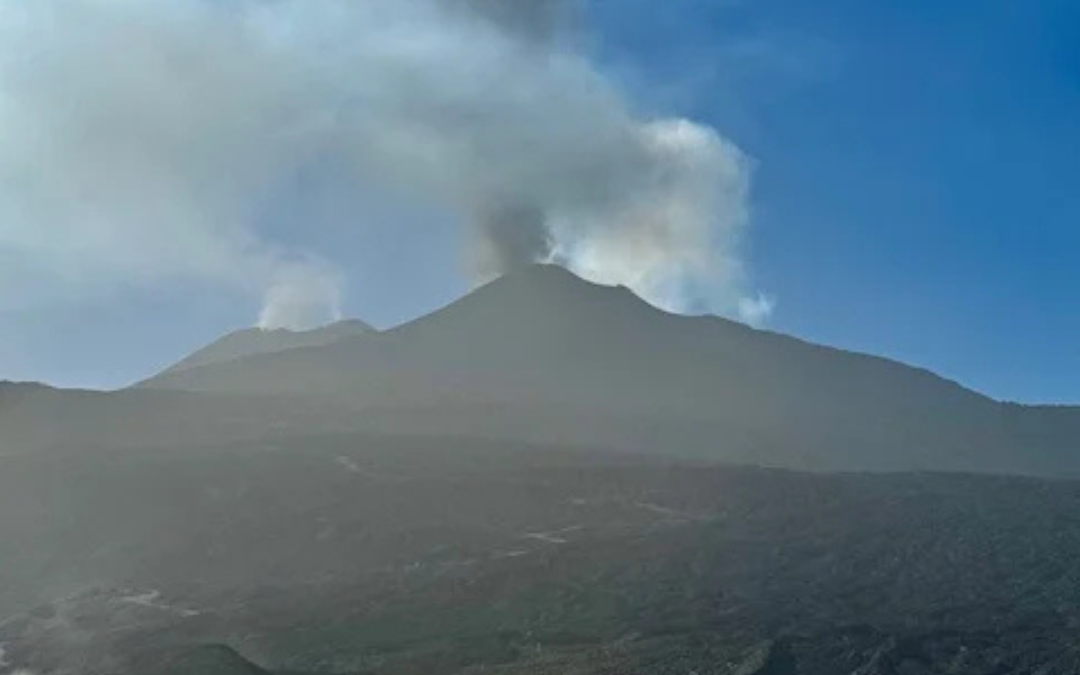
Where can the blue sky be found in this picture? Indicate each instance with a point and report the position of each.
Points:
(917, 192)
(916, 178)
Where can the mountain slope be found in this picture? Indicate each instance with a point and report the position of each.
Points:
(37, 418)
(544, 356)
(209, 660)
(14, 393)
(255, 341)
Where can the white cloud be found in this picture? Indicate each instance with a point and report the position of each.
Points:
(139, 141)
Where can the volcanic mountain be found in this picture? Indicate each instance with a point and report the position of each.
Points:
(542, 355)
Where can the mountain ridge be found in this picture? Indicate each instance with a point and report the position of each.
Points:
(249, 342)
(550, 274)
(563, 360)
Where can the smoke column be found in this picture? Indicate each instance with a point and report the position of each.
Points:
(140, 140)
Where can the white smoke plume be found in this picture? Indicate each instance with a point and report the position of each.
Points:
(756, 310)
(302, 296)
(140, 140)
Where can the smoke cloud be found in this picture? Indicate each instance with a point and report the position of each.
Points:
(139, 142)
(302, 296)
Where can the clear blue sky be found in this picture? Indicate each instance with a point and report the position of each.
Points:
(916, 192)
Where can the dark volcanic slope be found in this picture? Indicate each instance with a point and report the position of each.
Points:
(566, 361)
(34, 419)
(349, 555)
